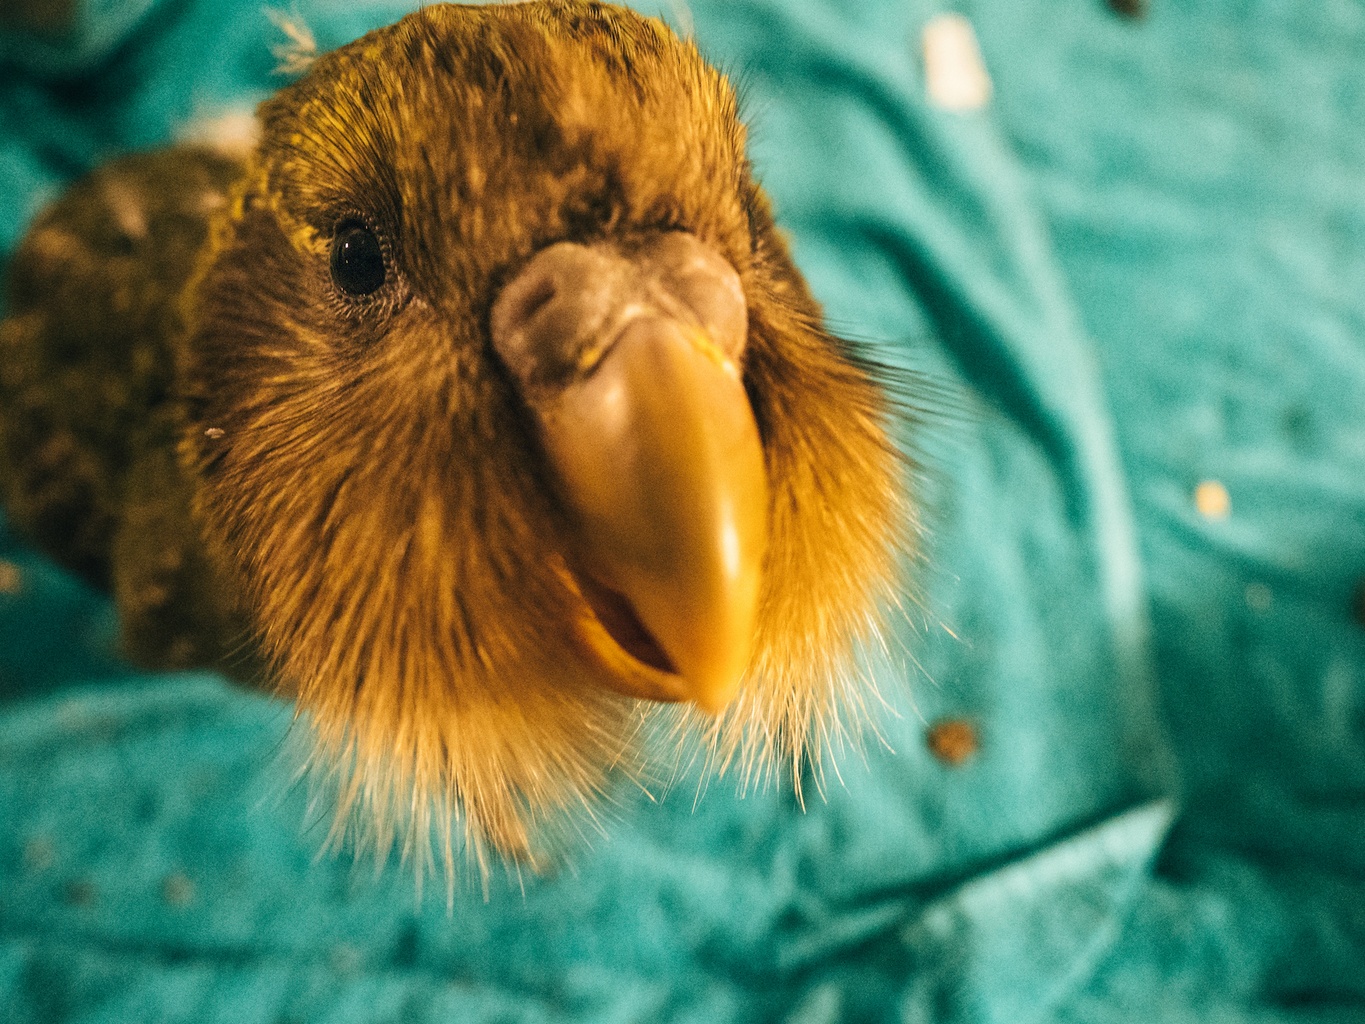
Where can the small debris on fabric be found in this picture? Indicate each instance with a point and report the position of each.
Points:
(81, 893)
(177, 890)
(213, 433)
(11, 577)
(1212, 500)
(953, 741)
(954, 72)
(39, 853)
(1129, 8)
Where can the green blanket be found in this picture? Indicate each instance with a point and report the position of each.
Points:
(1139, 273)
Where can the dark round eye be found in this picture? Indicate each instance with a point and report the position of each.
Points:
(357, 259)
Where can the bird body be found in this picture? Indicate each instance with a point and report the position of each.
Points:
(479, 408)
(91, 422)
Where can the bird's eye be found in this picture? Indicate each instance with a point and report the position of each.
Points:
(357, 259)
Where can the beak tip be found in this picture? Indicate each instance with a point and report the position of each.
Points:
(714, 702)
(713, 692)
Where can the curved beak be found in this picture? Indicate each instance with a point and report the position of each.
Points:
(630, 367)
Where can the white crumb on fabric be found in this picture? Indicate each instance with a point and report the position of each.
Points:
(955, 74)
(1212, 500)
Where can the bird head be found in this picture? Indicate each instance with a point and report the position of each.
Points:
(513, 419)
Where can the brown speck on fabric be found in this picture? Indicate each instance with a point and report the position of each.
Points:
(11, 578)
(953, 741)
(177, 890)
(81, 893)
(1129, 8)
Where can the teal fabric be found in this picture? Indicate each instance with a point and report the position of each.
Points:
(94, 30)
(1138, 268)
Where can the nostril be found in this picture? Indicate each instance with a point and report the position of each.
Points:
(514, 333)
(540, 294)
(555, 306)
(706, 283)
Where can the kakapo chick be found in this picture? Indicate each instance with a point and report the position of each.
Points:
(479, 408)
